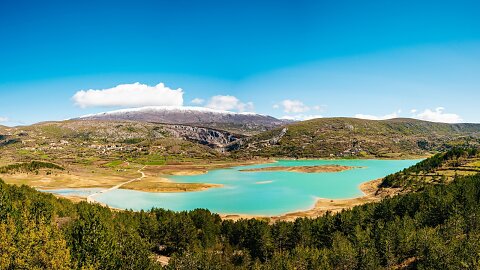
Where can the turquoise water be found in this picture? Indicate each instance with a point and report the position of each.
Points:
(261, 193)
(82, 192)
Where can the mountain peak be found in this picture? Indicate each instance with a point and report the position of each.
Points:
(169, 109)
(199, 116)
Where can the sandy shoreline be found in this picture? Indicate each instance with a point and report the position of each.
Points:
(322, 205)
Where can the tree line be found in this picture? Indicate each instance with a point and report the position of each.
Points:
(32, 166)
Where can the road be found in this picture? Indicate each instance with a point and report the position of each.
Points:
(90, 198)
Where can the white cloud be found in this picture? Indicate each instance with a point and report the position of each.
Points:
(294, 106)
(297, 109)
(228, 103)
(374, 117)
(3, 119)
(130, 95)
(300, 117)
(438, 115)
(197, 101)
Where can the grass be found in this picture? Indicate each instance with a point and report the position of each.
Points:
(439, 169)
(114, 163)
(84, 178)
(474, 164)
(347, 137)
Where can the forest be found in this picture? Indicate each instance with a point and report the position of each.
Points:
(32, 166)
(437, 227)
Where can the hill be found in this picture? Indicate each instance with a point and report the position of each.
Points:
(106, 153)
(114, 139)
(439, 169)
(247, 123)
(357, 138)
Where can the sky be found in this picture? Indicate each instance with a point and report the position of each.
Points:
(289, 59)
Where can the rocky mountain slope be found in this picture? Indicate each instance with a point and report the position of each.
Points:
(80, 141)
(198, 116)
(349, 137)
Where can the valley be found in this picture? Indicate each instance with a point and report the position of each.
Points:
(276, 178)
(239, 135)
(111, 149)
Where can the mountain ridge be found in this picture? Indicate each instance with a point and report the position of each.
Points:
(342, 137)
(339, 137)
(245, 122)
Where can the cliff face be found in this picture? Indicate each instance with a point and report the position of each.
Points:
(205, 136)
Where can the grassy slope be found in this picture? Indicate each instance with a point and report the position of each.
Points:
(94, 153)
(349, 137)
(87, 141)
(439, 169)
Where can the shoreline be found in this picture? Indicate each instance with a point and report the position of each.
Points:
(321, 205)
(318, 208)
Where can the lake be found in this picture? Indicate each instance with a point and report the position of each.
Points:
(259, 193)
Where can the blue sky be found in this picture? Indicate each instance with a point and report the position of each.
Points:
(294, 59)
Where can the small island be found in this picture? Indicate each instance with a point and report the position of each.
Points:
(303, 169)
(153, 185)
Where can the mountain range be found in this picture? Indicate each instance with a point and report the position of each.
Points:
(199, 133)
(198, 116)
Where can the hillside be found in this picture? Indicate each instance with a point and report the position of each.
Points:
(112, 139)
(350, 137)
(436, 228)
(247, 123)
(106, 153)
(439, 169)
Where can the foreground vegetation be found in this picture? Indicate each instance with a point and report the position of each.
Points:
(437, 227)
